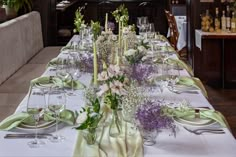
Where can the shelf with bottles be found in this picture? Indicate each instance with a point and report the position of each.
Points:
(221, 21)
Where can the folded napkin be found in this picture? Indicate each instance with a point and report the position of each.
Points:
(16, 119)
(54, 62)
(184, 80)
(161, 37)
(192, 81)
(181, 112)
(121, 146)
(57, 82)
(181, 64)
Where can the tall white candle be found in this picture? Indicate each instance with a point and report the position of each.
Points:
(95, 65)
(106, 23)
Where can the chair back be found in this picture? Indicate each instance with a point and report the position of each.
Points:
(174, 33)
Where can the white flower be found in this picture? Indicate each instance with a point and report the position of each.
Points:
(122, 18)
(118, 88)
(141, 49)
(125, 30)
(102, 76)
(114, 70)
(100, 38)
(145, 41)
(82, 118)
(114, 38)
(103, 89)
(130, 52)
(93, 114)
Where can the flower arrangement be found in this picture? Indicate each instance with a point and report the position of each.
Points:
(96, 29)
(131, 101)
(134, 56)
(113, 87)
(141, 72)
(106, 44)
(88, 119)
(129, 29)
(150, 117)
(121, 14)
(79, 21)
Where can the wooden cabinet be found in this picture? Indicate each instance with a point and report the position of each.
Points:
(214, 61)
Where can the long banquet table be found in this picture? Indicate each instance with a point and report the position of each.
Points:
(185, 144)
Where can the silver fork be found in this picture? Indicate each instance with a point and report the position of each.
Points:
(182, 91)
(201, 131)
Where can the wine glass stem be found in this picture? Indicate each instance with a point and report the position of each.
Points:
(57, 115)
(36, 130)
(72, 84)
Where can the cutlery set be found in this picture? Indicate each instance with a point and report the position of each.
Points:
(177, 90)
(21, 136)
(205, 130)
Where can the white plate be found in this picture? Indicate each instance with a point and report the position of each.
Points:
(40, 125)
(40, 85)
(195, 123)
(50, 127)
(192, 121)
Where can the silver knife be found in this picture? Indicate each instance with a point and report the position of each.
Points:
(18, 136)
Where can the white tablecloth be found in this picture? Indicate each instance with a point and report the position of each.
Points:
(182, 28)
(184, 145)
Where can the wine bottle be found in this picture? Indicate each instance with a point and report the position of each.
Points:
(228, 19)
(223, 21)
(217, 21)
(233, 23)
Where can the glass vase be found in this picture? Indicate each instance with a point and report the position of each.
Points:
(149, 136)
(115, 126)
(90, 135)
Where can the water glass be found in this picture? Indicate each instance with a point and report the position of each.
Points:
(56, 104)
(35, 107)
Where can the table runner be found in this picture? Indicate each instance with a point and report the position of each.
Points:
(122, 146)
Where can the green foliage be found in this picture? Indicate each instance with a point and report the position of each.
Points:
(96, 29)
(136, 58)
(112, 100)
(93, 116)
(18, 4)
(78, 21)
(121, 14)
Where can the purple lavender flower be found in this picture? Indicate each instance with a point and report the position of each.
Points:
(140, 72)
(86, 64)
(150, 117)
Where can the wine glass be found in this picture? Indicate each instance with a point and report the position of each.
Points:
(151, 31)
(35, 107)
(62, 70)
(56, 104)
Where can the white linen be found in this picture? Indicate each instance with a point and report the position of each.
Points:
(198, 39)
(199, 34)
(184, 145)
(182, 29)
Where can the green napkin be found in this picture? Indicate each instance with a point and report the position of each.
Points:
(204, 113)
(54, 62)
(184, 80)
(192, 81)
(58, 82)
(16, 119)
(181, 64)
